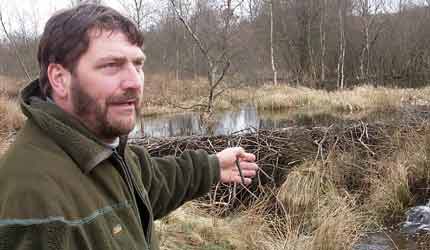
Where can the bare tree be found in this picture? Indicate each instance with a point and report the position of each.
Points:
(368, 13)
(322, 29)
(272, 53)
(342, 45)
(15, 47)
(218, 63)
(140, 11)
(77, 2)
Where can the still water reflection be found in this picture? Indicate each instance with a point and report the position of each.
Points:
(225, 123)
(249, 117)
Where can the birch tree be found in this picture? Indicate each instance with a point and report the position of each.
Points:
(272, 53)
(342, 45)
(322, 30)
(368, 10)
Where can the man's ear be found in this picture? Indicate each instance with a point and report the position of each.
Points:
(59, 78)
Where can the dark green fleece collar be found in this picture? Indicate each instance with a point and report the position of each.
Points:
(68, 132)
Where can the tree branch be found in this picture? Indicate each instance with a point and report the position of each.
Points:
(21, 62)
(224, 71)
(202, 47)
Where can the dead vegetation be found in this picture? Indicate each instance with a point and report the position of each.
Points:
(319, 188)
(164, 95)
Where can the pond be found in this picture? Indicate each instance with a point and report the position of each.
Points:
(228, 122)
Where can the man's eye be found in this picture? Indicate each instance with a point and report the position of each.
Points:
(138, 66)
(110, 65)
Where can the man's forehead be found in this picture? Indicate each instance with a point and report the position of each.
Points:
(113, 44)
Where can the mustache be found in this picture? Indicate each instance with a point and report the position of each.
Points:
(125, 97)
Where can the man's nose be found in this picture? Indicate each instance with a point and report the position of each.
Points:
(132, 77)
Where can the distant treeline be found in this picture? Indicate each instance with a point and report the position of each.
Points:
(317, 43)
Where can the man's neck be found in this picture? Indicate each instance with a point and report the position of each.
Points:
(114, 144)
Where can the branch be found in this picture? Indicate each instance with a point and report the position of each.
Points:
(202, 47)
(189, 107)
(220, 92)
(23, 67)
(169, 102)
(224, 71)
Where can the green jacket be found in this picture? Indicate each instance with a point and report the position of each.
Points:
(61, 188)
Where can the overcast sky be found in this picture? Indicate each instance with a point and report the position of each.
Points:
(36, 12)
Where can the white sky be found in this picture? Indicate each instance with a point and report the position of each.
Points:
(35, 13)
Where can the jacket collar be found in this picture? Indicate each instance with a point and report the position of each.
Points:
(68, 132)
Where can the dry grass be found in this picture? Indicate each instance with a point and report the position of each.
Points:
(333, 196)
(390, 195)
(10, 87)
(332, 220)
(340, 226)
(302, 190)
(11, 119)
(189, 227)
(357, 99)
(327, 215)
(162, 94)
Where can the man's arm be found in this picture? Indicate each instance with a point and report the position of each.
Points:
(171, 181)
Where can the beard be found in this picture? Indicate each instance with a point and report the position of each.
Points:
(95, 113)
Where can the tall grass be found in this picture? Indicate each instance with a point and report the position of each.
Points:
(10, 87)
(11, 119)
(390, 194)
(357, 99)
(161, 92)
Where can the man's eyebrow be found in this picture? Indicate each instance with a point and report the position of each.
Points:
(112, 58)
(140, 59)
(121, 58)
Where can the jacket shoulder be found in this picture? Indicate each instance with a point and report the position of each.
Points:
(32, 174)
(32, 150)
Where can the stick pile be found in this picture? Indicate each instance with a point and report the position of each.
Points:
(279, 150)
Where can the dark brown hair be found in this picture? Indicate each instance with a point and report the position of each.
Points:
(66, 36)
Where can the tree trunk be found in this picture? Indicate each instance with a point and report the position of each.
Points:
(309, 42)
(341, 59)
(212, 76)
(323, 39)
(272, 54)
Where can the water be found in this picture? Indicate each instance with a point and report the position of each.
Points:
(227, 122)
(386, 241)
(249, 117)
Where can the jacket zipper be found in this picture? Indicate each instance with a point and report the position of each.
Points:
(133, 186)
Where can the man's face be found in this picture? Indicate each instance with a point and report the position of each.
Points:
(106, 86)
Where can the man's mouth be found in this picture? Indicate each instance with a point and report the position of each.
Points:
(125, 103)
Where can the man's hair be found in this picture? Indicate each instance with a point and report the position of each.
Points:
(66, 36)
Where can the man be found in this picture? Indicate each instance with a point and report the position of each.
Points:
(70, 181)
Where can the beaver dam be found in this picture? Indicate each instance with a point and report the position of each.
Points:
(318, 188)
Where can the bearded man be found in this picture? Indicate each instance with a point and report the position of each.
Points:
(70, 180)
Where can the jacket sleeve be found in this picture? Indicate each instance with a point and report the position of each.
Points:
(172, 181)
